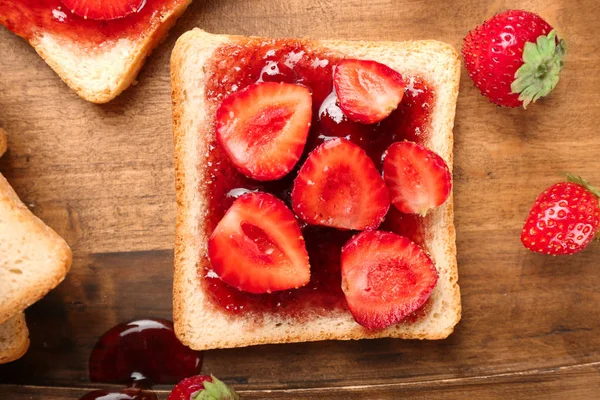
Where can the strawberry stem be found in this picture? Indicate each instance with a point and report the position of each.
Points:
(582, 182)
(541, 68)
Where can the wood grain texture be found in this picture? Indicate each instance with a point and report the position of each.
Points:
(573, 382)
(102, 176)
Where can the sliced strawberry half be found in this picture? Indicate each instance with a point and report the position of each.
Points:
(257, 247)
(104, 9)
(385, 278)
(418, 178)
(368, 91)
(263, 128)
(339, 186)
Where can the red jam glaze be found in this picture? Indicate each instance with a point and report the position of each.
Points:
(239, 65)
(28, 18)
(143, 352)
(409, 225)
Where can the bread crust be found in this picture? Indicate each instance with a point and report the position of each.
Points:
(201, 325)
(44, 257)
(100, 76)
(14, 339)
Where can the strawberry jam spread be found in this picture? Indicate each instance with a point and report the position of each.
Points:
(140, 354)
(236, 66)
(144, 352)
(29, 18)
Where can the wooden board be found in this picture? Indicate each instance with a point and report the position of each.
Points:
(102, 176)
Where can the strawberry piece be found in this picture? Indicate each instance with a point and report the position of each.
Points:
(339, 186)
(418, 178)
(514, 58)
(564, 218)
(368, 91)
(385, 278)
(104, 9)
(257, 247)
(202, 387)
(263, 128)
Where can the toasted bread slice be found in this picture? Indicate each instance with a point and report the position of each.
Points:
(33, 258)
(99, 75)
(14, 339)
(202, 325)
(14, 335)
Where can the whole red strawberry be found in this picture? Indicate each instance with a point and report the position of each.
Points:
(202, 387)
(564, 219)
(514, 58)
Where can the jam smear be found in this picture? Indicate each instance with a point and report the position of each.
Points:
(28, 18)
(238, 65)
(145, 351)
(409, 225)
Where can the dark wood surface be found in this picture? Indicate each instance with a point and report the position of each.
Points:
(102, 176)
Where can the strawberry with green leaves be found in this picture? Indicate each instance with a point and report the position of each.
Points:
(564, 219)
(514, 58)
(202, 387)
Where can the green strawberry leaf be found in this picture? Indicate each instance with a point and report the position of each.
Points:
(582, 182)
(216, 390)
(540, 71)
